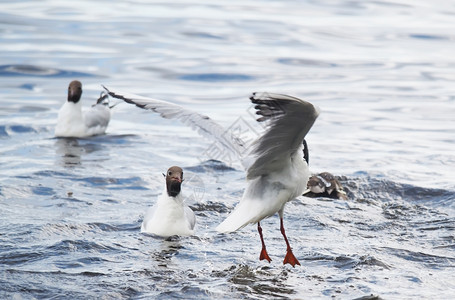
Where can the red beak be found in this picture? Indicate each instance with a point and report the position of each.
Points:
(176, 179)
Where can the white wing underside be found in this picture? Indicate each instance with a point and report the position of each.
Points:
(290, 119)
(199, 122)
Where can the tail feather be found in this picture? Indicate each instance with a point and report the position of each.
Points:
(232, 223)
(246, 212)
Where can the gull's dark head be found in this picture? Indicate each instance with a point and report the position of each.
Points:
(74, 91)
(174, 178)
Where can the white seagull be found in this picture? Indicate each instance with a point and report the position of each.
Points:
(276, 171)
(73, 122)
(170, 215)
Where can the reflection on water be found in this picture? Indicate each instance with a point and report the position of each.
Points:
(168, 248)
(70, 150)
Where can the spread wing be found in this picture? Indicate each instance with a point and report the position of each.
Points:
(289, 119)
(199, 122)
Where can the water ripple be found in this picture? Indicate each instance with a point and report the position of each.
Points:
(37, 71)
(216, 77)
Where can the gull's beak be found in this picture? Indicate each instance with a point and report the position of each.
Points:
(178, 179)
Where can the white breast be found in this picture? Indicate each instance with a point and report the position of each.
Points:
(169, 216)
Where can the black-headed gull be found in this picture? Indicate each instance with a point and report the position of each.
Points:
(170, 215)
(74, 122)
(276, 169)
(279, 172)
(325, 185)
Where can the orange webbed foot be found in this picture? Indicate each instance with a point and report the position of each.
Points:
(264, 255)
(290, 259)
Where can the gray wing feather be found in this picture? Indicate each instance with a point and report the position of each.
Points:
(199, 122)
(98, 115)
(289, 119)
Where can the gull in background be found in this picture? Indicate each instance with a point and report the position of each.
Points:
(170, 215)
(325, 185)
(74, 122)
(276, 170)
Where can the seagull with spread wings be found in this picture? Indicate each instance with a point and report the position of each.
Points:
(276, 164)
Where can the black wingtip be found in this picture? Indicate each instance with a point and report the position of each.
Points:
(121, 97)
(102, 97)
(112, 94)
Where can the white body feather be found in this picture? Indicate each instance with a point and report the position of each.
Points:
(266, 195)
(169, 216)
(73, 122)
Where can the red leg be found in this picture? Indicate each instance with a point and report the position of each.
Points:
(289, 258)
(263, 254)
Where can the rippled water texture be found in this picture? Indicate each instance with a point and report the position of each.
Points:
(382, 74)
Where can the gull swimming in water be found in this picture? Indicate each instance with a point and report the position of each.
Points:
(276, 171)
(74, 122)
(170, 215)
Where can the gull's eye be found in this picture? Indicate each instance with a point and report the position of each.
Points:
(169, 173)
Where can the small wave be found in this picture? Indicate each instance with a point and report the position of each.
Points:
(348, 261)
(306, 62)
(369, 297)
(353, 262)
(64, 229)
(3, 132)
(422, 36)
(20, 256)
(210, 206)
(51, 173)
(78, 245)
(37, 71)
(8, 130)
(125, 183)
(28, 86)
(216, 77)
(210, 166)
(204, 35)
(264, 281)
(386, 190)
(117, 139)
(438, 224)
(43, 191)
(189, 292)
(32, 109)
(431, 260)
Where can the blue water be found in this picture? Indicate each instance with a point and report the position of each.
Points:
(70, 209)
